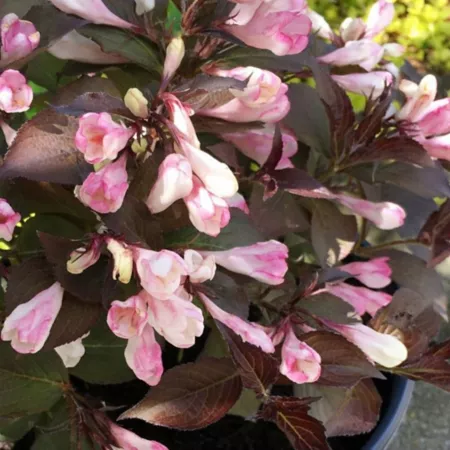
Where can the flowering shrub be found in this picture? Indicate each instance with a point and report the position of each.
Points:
(174, 183)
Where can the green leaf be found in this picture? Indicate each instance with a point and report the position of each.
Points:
(29, 384)
(240, 232)
(137, 49)
(333, 234)
(15, 429)
(44, 70)
(104, 361)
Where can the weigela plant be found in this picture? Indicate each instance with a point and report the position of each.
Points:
(191, 203)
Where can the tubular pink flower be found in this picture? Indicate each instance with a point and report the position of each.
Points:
(380, 17)
(8, 220)
(368, 84)
(15, 94)
(375, 273)
(264, 261)
(29, 325)
(199, 269)
(127, 440)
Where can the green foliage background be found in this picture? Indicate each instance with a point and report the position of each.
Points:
(422, 26)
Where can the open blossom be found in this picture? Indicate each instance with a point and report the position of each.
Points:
(143, 356)
(207, 212)
(249, 332)
(299, 362)
(199, 269)
(104, 191)
(277, 25)
(127, 440)
(216, 176)
(123, 259)
(99, 138)
(385, 215)
(160, 272)
(19, 37)
(29, 325)
(128, 319)
(370, 84)
(77, 47)
(178, 320)
(263, 99)
(238, 201)
(72, 352)
(8, 220)
(383, 349)
(361, 298)
(375, 273)
(15, 94)
(264, 261)
(173, 183)
(94, 11)
(257, 144)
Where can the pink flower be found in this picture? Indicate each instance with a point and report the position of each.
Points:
(143, 356)
(15, 94)
(380, 16)
(257, 144)
(174, 182)
(76, 47)
(319, 25)
(264, 261)
(207, 212)
(436, 118)
(364, 53)
(437, 147)
(238, 201)
(72, 352)
(352, 29)
(127, 440)
(281, 26)
(384, 215)
(94, 11)
(264, 99)
(160, 272)
(368, 84)
(249, 332)
(29, 325)
(100, 138)
(9, 133)
(418, 98)
(104, 191)
(123, 259)
(300, 363)
(375, 273)
(383, 349)
(362, 299)
(199, 269)
(82, 258)
(217, 176)
(178, 320)
(8, 220)
(128, 319)
(19, 37)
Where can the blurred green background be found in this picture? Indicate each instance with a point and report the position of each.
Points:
(421, 26)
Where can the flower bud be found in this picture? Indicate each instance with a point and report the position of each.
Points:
(144, 6)
(123, 260)
(380, 16)
(139, 146)
(83, 258)
(375, 273)
(352, 29)
(174, 55)
(136, 103)
(15, 94)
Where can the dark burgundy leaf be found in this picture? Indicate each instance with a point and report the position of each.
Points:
(436, 234)
(257, 369)
(190, 396)
(207, 92)
(399, 148)
(333, 234)
(277, 216)
(276, 152)
(74, 319)
(299, 182)
(432, 367)
(226, 294)
(44, 150)
(343, 364)
(292, 418)
(96, 102)
(227, 153)
(219, 126)
(136, 224)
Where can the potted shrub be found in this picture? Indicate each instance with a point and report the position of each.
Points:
(208, 242)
